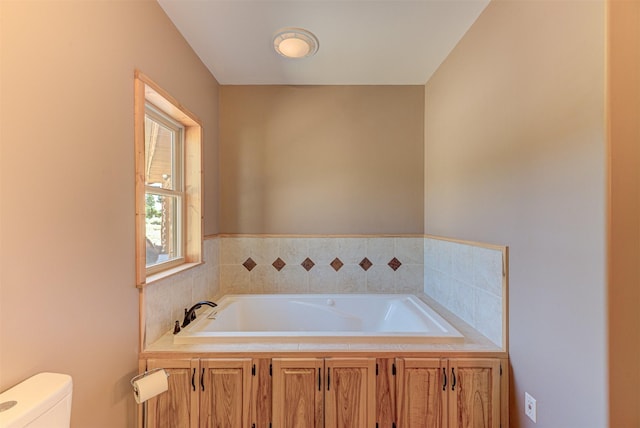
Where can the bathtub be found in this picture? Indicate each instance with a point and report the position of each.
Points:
(318, 317)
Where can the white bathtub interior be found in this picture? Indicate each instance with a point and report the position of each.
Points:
(312, 317)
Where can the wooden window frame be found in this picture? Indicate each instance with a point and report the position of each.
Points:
(148, 92)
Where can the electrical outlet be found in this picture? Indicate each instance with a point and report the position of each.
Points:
(530, 406)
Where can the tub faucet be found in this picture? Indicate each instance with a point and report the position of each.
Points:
(190, 315)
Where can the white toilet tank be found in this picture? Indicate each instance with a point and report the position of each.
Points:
(42, 401)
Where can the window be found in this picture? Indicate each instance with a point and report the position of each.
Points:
(168, 184)
(164, 194)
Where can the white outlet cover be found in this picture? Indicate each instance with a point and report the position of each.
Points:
(530, 406)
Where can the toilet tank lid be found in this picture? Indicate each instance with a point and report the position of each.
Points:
(34, 396)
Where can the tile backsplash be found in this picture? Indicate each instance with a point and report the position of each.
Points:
(466, 279)
(321, 264)
(165, 300)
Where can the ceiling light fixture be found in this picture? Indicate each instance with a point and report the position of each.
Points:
(295, 43)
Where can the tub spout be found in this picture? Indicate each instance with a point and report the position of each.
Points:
(190, 315)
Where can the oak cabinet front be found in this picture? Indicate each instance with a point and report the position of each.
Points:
(297, 392)
(225, 393)
(316, 392)
(205, 393)
(178, 407)
(358, 392)
(449, 393)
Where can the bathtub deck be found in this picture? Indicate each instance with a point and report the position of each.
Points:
(473, 344)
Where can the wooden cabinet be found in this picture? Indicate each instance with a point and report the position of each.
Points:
(330, 392)
(350, 397)
(225, 390)
(474, 396)
(422, 392)
(176, 408)
(316, 392)
(204, 393)
(449, 393)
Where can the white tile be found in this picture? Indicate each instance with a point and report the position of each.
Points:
(380, 279)
(323, 279)
(488, 270)
(488, 316)
(234, 279)
(380, 250)
(430, 252)
(235, 250)
(323, 250)
(409, 279)
(264, 251)
(438, 254)
(430, 282)
(318, 347)
(181, 296)
(351, 250)
(263, 278)
(293, 250)
(462, 301)
(462, 266)
(292, 279)
(213, 280)
(211, 251)
(201, 289)
(410, 250)
(351, 279)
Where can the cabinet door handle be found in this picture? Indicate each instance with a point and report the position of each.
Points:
(444, 375)
(202, 379)
(328, 378)
(453, 379)
(319, 381)
(193, 379)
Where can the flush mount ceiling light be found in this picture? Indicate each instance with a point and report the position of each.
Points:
(295, 43)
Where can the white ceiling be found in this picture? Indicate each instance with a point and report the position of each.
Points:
(379, 42)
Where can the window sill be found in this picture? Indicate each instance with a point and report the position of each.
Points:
(167, 273)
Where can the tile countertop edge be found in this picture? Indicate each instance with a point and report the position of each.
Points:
(473, 344)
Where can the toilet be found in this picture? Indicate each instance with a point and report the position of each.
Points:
(42, 401)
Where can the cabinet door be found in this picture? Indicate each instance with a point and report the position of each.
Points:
(350, 397)
(421, 389)
(297, 392)
(178, 407)
(225, 390)
(474, 396)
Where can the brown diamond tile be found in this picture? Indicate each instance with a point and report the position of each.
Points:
(249, 264)
(307, 264)
(336, 264)
(278, 264)
(365, 264)
(394, 264)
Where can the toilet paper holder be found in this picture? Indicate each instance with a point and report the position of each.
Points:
(142, 375)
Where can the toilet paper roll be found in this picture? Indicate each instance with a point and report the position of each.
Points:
(150, 385)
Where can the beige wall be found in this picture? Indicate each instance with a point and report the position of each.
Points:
(515, 155)
(68, 301)
(321, 159)
(624, 215)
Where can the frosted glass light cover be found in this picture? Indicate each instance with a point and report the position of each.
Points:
(295, 43)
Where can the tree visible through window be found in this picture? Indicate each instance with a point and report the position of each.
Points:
(168, 148)
(164, 193)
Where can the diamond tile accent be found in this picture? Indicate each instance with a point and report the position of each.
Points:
(394, 264)
(249, 264)
(336, 264)
(365, 264)
(307, 264)
(278, 264)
